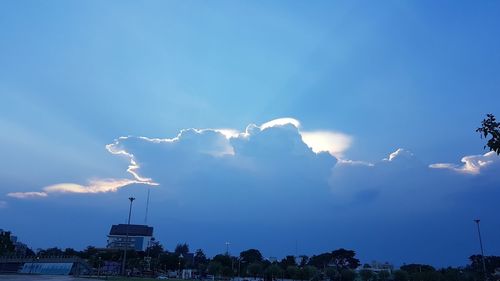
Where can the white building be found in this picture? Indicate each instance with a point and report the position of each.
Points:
(139, 236)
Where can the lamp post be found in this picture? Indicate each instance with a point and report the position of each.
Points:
(180, 258)
(481, 245)
(99, 268)
(227, 248)
(126, 235)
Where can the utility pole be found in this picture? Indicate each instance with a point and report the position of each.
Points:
(227, 248)
(147, 209)
(126, 239)
(481, 245)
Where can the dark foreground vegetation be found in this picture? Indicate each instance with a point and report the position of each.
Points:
(337, 265)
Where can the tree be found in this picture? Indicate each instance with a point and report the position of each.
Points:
(347, 275)
(6, 245)
(224, 260)
(383, 275)
(490, 126)
(421, 272)
(214, 268)
(251, 256)
(274, 271)
(332, 273)
(321, 260)
(155, 249)
(366, 274)
(254, 269)
(491, 263)
(308, 272)
(288, 261)
(292, 272)
(169, 261)
(199, 258)
(181, 249)
(344, 259)
(54, 251)
(303, 260)
(415, 267)
(70, 252)
(400, 275)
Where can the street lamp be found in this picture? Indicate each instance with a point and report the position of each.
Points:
(126, 239)
(180, 258)
(227, 248)
(99, 268)
(481, 245)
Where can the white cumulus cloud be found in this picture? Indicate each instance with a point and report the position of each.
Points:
(333, 142)
(472, 164)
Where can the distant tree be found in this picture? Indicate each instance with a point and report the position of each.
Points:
(321, 260)
(415, 267)
(332, 273)
(421, 272)
(366, 275)
(89, 251)
(383, 275)
(452, 274)
(400, 275)
(224, 260)
(251, 256)
(169, 261)
(155, 250)
(347, 275)
(29, 252)
(254, 269)
(199, 258)
(70, 252)
(214, 268)
(288, 261)
(181, 248)
(6, 245)
(491, 263)
(54, 251)
(227, 271)
(308, 272)
(303, 260)
(292, 272)
(274, 271)
(490, 126)
(344, 259)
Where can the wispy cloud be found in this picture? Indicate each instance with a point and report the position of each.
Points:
(94, 186)
(27, 195)
(3, 204)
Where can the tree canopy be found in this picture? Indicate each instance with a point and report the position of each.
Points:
(251, 256)
(6, 245)
(490, 126)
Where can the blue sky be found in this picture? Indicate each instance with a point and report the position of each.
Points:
(363, 79)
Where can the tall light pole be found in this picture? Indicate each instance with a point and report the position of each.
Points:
(481, 245)
(126, 235)
(227, 248)
(180, 258)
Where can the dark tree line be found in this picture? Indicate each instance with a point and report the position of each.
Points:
(337, 265)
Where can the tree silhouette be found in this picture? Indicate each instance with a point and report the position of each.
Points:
(490, 126)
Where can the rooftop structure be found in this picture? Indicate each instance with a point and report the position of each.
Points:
(139, 236)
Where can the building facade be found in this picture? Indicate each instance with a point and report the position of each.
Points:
(139, 236)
